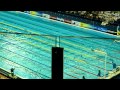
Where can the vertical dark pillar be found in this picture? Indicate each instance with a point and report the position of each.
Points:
(57, 63)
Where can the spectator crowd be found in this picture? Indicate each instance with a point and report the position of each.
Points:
(106, 17)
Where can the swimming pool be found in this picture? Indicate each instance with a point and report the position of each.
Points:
(31, 54)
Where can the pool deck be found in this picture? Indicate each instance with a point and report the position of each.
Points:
(114, 73)
(6, 75)
(3, 76)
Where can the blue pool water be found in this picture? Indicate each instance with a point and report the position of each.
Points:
(31, 55)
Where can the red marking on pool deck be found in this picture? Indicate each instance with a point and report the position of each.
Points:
(54, 18)
(67, 21)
